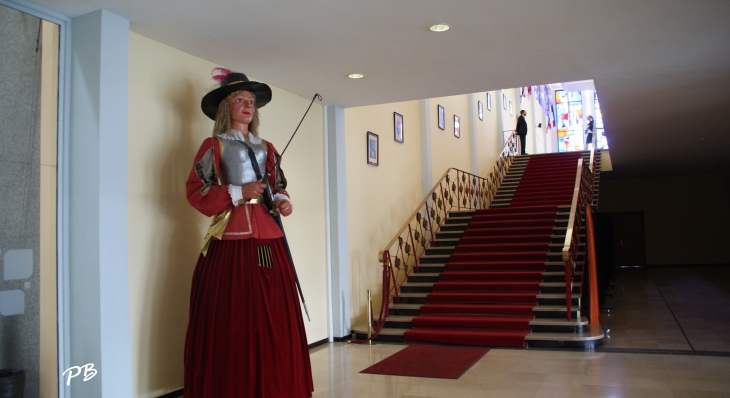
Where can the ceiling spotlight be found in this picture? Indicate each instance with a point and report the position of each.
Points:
(355, 75)
(442, 27)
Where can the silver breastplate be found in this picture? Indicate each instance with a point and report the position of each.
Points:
(236, 167)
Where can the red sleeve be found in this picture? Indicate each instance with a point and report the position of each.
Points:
(202, 188)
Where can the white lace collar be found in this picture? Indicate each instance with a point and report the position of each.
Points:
(235, 135)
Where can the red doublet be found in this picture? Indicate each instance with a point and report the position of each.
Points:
(247, 220)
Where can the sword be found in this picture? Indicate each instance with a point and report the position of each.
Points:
(275, 214)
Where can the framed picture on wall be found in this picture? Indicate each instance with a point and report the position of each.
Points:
(480, 108)
(442, 120)
(504, 101)
(489, 101)
(457, 127)
(398, 127)
(511, 109)
(372, 148)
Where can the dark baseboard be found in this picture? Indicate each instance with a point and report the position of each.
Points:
(173, 394)
(335, 339)
(342, 339)
(686, 265)
(317, 343)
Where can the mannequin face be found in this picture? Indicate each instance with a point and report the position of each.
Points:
(242, 109)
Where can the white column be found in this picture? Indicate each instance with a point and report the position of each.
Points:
(98, 324)
(339, 272)
(424, 115)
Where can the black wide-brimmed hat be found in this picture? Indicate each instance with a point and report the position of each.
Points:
(233, 82)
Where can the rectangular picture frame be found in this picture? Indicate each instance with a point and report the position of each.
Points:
(372, 148)
(457, 127)
(442, 118)
(398, 127)
(480, 109)
(489, 101)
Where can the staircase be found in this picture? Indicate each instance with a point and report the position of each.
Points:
(495, 277)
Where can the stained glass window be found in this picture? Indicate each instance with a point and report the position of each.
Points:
(569, 109)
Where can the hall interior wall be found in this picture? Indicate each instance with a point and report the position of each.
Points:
(488, 139)
(166, 128)
(686, 217)
(446, 149)
(381, 198)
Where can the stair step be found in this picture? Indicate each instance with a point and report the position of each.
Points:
(554, 311)
(586, 339)
(490, 338)
(473, 290)
(557, 287)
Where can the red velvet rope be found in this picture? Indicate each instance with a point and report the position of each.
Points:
(385, 303)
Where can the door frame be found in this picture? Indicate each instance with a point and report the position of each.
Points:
(62, 196)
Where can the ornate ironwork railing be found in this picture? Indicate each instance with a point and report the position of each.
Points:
(456, 190)
(582, 197)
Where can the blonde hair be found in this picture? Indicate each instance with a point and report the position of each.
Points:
(223, 116)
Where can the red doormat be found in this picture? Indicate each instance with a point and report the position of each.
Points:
(442, 362)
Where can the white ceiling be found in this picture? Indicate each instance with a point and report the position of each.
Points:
(661, 68)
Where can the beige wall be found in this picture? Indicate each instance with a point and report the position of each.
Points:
(686, 217)
(489, 143)
(447, 150)
(49, 136)
(379, 198)
(166, 128)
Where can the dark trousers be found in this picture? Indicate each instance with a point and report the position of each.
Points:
(523, 141)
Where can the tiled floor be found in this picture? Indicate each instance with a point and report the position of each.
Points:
(681, 309)
(672, 308)
(525, 373)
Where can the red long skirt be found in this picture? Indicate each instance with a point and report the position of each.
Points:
(245, 335)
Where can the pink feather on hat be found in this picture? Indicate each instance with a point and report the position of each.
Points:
(218, 74)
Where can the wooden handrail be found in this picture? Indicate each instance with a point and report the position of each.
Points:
(582, 198)
(573, 208)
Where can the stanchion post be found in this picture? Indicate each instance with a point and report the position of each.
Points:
(370, 317)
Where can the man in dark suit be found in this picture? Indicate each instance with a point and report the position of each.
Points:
(521, 130)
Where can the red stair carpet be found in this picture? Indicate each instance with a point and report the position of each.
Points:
(490, 285)
(441, 362)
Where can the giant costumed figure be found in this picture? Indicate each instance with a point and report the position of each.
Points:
(245, 336)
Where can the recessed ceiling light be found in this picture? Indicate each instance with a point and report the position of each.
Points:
(442, 27)
(355, 75)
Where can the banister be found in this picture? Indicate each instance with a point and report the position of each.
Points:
(470, 191)
(582, 199)
(592, 161)
(429, 195)
(592, 267)
(418, 209)
(573, 209)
